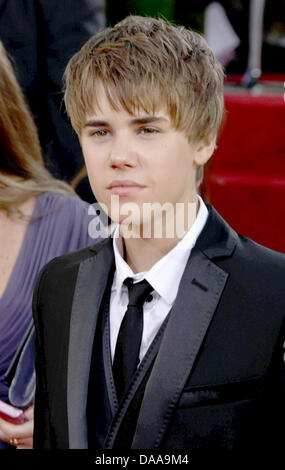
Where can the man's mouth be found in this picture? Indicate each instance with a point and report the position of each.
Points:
(124, 187)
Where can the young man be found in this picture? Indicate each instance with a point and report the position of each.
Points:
(191, 358)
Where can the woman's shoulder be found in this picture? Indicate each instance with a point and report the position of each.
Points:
(58, 201)
(63, 207)
(66, 218)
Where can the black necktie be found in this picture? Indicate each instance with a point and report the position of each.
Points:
(129, 339)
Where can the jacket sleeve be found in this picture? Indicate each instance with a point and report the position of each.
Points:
(276, 402)
(43, 435)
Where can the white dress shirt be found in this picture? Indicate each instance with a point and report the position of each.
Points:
(164, 277)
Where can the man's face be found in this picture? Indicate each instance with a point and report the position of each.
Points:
(140, 159)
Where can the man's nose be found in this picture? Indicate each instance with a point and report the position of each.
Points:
(122, 153)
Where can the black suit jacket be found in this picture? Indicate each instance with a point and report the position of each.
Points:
(218, 377)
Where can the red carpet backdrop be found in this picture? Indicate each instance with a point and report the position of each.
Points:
(245, 180)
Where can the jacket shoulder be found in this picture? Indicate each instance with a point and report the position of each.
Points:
(73, 259)
(252, 253)
(221, 242)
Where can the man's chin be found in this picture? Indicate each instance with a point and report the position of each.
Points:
(130, 228)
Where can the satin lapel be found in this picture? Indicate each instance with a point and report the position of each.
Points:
(133, 388)
(200, 289)
(91, 282)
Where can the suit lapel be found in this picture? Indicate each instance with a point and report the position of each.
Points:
(200, 289)
(133, 388)
(91, 282)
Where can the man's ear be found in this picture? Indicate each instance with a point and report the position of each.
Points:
(204, 150)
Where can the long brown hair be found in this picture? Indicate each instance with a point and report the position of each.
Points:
(22, 170)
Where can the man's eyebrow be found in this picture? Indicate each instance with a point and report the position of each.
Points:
(94, 123)
(148, 119)
(135, 121)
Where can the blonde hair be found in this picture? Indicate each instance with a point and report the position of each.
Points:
(146, 63)
(22, 171)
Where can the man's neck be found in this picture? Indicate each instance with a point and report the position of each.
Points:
(143, 252)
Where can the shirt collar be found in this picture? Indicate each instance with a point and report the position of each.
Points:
(165, 275)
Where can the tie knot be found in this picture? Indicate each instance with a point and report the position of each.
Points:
(137, 292)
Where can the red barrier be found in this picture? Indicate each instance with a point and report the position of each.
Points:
(245, 179)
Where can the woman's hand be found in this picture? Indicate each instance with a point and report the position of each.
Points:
(19, 435)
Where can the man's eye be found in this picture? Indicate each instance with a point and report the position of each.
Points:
(99, 133)
(148, 130)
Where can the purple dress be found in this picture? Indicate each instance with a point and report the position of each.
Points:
(62, 228)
